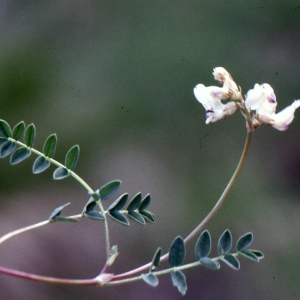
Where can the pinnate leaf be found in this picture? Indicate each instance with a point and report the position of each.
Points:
(150, 278)
(156, 260)
(145, 203)
(209, 263)
(177, 252)
(117, 216)
(50, 145)
(135, 202)
(225, 242)
(119, 203)
(203, 245)
(178, 279)
(258, 254)
(18, 131)
(60, 173)
(57, 211)
(109, 188)
(149, 216)
(5, 130)
(136, 217)
(231, 261)
(19, 155)
(7, 148)
(40, 165)
(2, 141)
(244, 241)
(94, 215)
(249, 255)
(29, 136)
(72, 157)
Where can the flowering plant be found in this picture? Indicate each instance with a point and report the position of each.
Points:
(258, 108)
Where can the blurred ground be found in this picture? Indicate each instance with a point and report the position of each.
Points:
(117, 78)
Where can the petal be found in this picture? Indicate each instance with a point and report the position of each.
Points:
(255, 98)
(284, 118)
(262, 99)
(224, 111)
(219, 93)
(220, 74)
(202, 96)
(269, 92)
(224, 77)
(267, 107)
(209, 97)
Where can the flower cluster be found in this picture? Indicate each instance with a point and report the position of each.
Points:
(259, 106)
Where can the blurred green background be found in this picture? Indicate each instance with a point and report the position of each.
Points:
(117, 78)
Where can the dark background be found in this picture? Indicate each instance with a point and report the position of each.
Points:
(117, 78)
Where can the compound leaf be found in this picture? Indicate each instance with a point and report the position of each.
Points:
(225, 242)
(136, 217)
(117, 216)
(146, 201)
(57, 211)
(109, 188)
(118, 203)
(60, 173)
(151, 279)
(72, 157)
(149, 216)
(2, 141)
(90, 205)
(177, 252)
(178, 279)
(135, 202)
(5, 129)
(94, 215)
(19, 155)
(203, 245)
(209, 263)
(40, 165)
(155, 260)
(249, 255)
(257, 253)
(7, 148)
(231, 261)
(244, 241)
(50, 145)
(29, 135)
(18, 131)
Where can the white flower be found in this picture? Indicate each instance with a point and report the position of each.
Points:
(225, 78)
(283, 119)
(262, 100)
(210, 97)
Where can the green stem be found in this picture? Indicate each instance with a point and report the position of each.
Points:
(19, 231)
(77, 178)
(164, 257)
(107, 240)
(225, 192)
(56, 163)
(165, 271)
(34, 226)
(214, 210)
